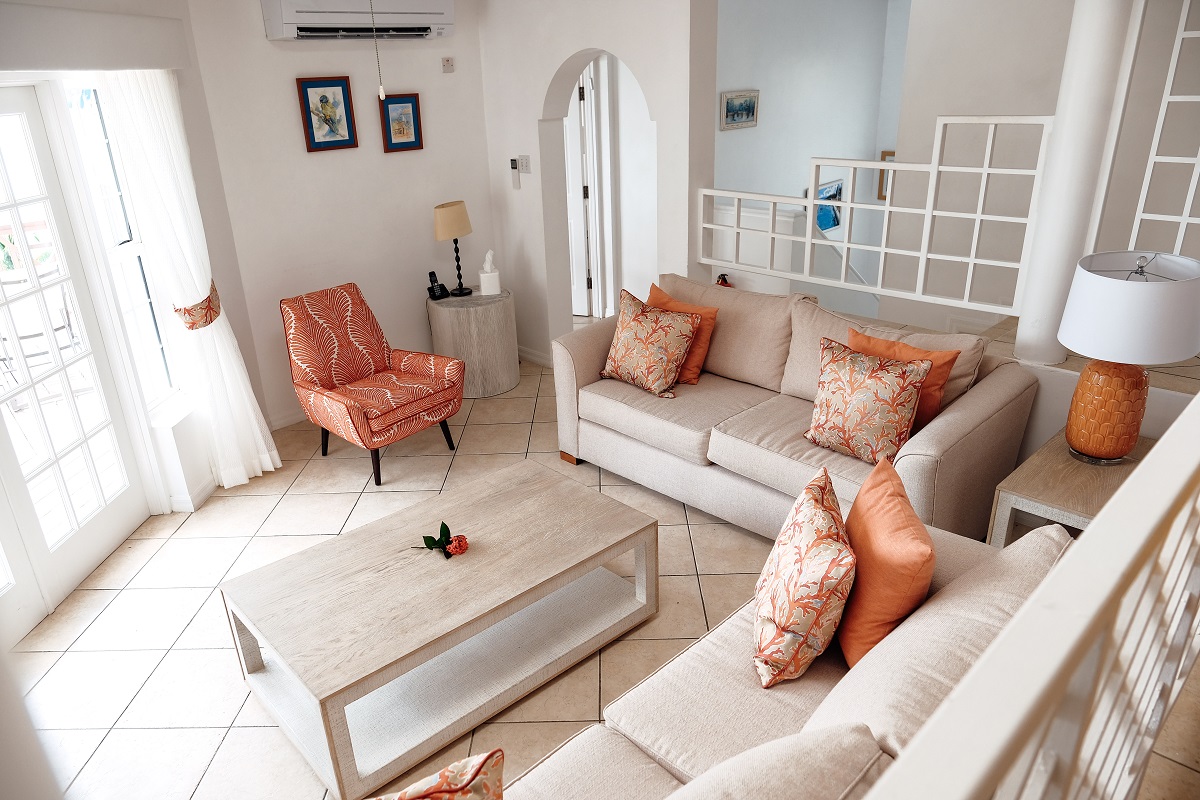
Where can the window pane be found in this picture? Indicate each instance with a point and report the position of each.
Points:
(12, 371)
(16, 150)
(14, 277)
(50, 507)
(41, 240)
(88, 400)
(78, 477)
(56, 412)
(64, 317)
(98, 164)
(31, 334)
(107, 461)
(25, 432)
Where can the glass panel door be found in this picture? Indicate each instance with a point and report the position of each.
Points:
(63, 451)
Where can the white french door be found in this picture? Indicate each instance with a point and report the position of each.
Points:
(66, 464)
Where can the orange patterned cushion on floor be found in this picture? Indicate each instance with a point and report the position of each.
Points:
(865, 405)
(803, 587)
(650, 345)
(476, 778)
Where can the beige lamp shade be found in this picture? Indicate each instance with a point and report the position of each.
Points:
(450, 221)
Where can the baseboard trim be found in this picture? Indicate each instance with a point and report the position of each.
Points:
(536, 357)
(198, 497)
(276, 422)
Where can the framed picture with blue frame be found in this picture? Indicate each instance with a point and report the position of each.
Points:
(328, 113)
(829, 217)
(400, 116)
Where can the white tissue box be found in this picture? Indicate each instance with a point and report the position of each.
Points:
(489, 283)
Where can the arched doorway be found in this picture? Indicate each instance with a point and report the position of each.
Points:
(603, 139)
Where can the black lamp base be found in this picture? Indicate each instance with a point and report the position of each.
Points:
(460, 291)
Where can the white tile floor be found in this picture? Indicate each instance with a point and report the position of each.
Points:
(135, 688)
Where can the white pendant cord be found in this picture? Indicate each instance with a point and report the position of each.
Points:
(375, 39)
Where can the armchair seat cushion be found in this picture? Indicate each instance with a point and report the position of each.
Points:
(388, 397)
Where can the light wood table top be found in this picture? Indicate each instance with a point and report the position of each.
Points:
(345, 609)
(1054, 484)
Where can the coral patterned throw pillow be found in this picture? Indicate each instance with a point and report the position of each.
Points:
(476, 778)
(803, 588)
(650, 345)
(865, 405)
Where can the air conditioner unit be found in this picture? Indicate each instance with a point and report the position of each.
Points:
(351, 19)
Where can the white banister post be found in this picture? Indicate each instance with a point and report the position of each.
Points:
(1072, 172)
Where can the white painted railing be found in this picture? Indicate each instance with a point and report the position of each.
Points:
(1068, 700)
(934, 236)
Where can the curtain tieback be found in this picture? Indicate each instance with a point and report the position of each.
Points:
(202, 314)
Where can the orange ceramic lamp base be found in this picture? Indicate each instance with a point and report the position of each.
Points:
(1106, 411)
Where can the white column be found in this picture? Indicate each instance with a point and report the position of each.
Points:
(1072, 172)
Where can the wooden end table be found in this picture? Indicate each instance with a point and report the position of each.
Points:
(372, 656)
(1059, 487)
(480, 329)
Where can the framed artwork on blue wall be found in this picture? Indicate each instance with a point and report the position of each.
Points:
(400, 116)
(328, 113)
(829, 217)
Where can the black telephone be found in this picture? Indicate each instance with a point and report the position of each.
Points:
(437, 291)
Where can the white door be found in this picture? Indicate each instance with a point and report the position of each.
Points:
(581, 281)
(66, 464)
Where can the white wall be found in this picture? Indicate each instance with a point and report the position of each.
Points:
(818, 66)
(526, 48)
(891, 85)
(305, 221)
(637, 154)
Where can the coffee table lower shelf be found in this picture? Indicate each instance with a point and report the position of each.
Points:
(401, 723)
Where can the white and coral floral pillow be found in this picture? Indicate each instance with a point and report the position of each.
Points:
(803, 588)
(650, 345)
(865, 405)
(476, 778)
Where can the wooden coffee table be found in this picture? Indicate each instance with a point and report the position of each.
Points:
(372, 656)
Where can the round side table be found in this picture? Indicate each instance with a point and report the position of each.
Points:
(481, 329)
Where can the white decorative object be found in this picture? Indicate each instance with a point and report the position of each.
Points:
(489, 278)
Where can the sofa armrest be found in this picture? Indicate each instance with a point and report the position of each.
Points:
(579, 357)
(952, 466)
(338, 414)
(429, 365)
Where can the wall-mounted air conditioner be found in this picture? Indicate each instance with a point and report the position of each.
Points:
(351, 19)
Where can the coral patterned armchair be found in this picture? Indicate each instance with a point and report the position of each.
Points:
(351, 382)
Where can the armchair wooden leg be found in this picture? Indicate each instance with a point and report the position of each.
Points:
(446, 433)
(375, 464)
(324, 442)
(567, 457)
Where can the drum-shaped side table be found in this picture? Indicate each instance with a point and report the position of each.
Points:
(481, 329)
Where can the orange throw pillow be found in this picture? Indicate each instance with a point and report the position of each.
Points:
(894, 565)
(474, 778)
(690, 371)
(929, 404)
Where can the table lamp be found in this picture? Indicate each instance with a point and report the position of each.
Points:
(450, 221)
(1125, 309)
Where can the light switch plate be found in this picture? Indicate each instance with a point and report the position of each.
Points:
(523, 164)
(448, 64)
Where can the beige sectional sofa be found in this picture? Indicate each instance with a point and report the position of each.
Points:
(733, 445)
(702, 727)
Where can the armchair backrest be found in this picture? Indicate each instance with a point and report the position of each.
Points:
(332, 337)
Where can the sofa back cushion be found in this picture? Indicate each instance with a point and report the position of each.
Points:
(753, 330)
(966, 366)
(898, 684)
(840, 762)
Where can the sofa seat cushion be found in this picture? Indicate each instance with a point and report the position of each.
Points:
(680, 425)
(388, 397)
(595, 763)
(842, 762)
(706, 704)
(766, 444)
(899, 683)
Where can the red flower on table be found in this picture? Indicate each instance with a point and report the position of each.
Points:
(458, 546)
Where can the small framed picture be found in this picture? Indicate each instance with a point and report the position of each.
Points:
(739, 109)
(400, 115)
(885, 175)
(328, 113)
(829, 217)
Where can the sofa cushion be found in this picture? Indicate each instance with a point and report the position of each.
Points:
(649, 345)
(751, 337)
(766, 444)
(595, 763)
(694, 363)
(479, 777)
(899, 683)
(671, 715)
(933, 389)
(680, 426)
(841, 762)
(966, 366)
(803, 588)
(865, 405)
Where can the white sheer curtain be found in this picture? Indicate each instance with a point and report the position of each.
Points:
(145, 120)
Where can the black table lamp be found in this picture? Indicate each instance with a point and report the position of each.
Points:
(450, 221)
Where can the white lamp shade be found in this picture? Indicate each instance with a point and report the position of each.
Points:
(450, 221)
(1133, 320)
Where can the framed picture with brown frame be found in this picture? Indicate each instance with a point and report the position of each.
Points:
(400, 116)
(327, 112)
(885, 175)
